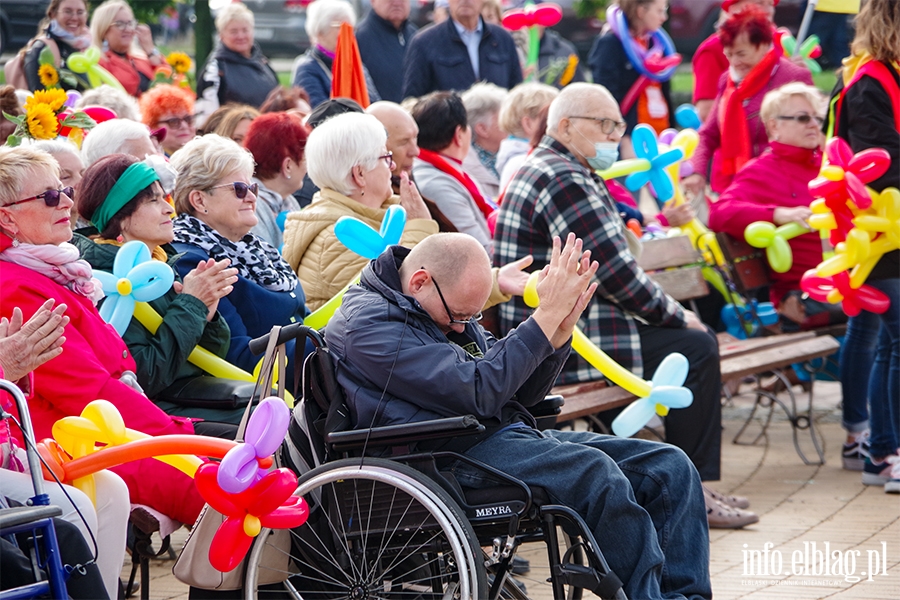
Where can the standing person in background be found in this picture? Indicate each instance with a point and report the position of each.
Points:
(113, 29)
(236, 71)
(613, 69)
(66, 32)
(383, 37)
(867, 115)
(482, 102)
(709, 62)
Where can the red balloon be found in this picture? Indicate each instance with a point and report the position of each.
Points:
(855, 300)
(63, 131)
(546, 14)
(99, 113)
(229, 545)
(219, 499)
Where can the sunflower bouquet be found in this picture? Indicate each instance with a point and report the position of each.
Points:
(47, 117)
(51, 76)
(178, 72)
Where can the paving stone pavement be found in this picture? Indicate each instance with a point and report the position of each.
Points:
(803, 509)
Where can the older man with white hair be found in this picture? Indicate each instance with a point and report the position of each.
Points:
(556, 191)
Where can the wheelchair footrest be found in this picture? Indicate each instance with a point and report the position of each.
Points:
(605, 586)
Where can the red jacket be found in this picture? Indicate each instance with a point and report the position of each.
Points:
(126, 69)
(93, 359)
(779, 177)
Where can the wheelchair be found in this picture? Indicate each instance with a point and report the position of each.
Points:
(399, 525)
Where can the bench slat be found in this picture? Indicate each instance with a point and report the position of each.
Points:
(778, 357)
(729, 348)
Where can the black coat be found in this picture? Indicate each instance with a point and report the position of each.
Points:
(437, 59)
(383, 48)
(232, 77)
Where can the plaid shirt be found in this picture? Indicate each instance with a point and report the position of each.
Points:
(551, 195)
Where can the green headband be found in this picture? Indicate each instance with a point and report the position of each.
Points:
(135, 178)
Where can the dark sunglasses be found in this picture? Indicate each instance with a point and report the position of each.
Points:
(174, 122)
(50, 197)
(240, 188)
(476, 317)
(803, 119)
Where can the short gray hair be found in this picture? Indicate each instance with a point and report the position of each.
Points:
(774, 101)
(202, 162)
(341, 143)
(19, 164)
(109, 137)
(57, 146)
(322, 13)
(570, 100)
(482, 101)
(124, 105)
(236, 11)
(524, 100)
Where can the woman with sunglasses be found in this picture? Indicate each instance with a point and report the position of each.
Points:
(791, 115)
(113, 31)
(216, 205)
(40, 264)
(124, 200)
(170, 107)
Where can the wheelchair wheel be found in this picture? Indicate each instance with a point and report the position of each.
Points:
(380, 530)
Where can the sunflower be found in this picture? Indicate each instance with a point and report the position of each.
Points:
(55, 98)
(49, 76)
(41, 120)
(179, 61)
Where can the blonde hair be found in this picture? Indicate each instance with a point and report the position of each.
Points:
(237, 11)
(20, 164)
(773, 102)
(103, 18)
(524, 100)
(226, 119)
(202, 162)
(878, 30)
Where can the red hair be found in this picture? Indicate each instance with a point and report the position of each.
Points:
(272, 137)
(165, 100)
(752, 21)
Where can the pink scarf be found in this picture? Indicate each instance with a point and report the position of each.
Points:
(59, 263)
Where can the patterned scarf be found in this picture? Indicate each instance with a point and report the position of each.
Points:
(254, 258)
(59, 263)
(79, 42)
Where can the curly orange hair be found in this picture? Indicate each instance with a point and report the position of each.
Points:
(165, 100)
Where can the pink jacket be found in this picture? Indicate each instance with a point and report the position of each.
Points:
(93, 359)
(752, 197)
(710, 137)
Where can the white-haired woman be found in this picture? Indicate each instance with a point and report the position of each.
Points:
(215, 198)
(113, 31)
(125, 106)
(312, 70)
(236, 71)
(520, 118)
(117, 136)
(483, 101)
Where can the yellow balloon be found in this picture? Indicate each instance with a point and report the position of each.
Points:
(320, 317)
(625, 167)
(832, 172)
(252, 526)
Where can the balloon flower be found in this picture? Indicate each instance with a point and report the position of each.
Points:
(750, 316)
(667, 394)
(665, 389)
(135, 278)
(265, 431)
(267, 503)
(687, 117)
(763, 234)
(809, 50)
(546, 14)
(87, 62)
(837, 288)
(358, 237)
(646, 147)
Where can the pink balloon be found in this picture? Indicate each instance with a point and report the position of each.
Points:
(99, 113)
(667, 136)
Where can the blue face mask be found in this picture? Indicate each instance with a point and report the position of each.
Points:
(605, 154)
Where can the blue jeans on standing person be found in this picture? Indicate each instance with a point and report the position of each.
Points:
(642, 500)
(884, 383)
(857, 356)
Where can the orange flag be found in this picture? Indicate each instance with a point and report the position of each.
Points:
(347, 78)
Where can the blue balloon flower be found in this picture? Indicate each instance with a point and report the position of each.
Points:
(687, 117)
(135, 278)
(365, 241)
(667, 393)
(645, 146)
(752, 314)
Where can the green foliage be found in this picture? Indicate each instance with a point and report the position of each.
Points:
(145, 11)
(585, 9)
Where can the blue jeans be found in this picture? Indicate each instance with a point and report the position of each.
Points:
(857, 356)
(642, 500)
(884, 383)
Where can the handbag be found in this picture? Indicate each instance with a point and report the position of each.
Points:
(192, 566)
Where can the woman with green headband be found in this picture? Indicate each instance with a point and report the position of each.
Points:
(124, 200)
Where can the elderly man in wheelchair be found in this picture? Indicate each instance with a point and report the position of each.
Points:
(409, 374)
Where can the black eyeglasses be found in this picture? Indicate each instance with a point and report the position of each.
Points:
(803, 119)
(607, 126)
(476, 317)
(389, 159)
(50, 197)
(240, 188)
(175, 122)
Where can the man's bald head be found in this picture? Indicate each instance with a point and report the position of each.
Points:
(402, 133)
(579, 99)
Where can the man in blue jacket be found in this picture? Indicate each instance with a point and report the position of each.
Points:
(383, 37)
(409, 348)
(460, 51)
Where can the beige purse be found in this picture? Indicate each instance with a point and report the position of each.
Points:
(192, 566)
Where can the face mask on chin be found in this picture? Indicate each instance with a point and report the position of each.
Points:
(605, 154)
(734, 75)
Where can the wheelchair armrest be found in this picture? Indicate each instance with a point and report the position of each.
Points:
(402, 434)
(549, 406)
(19, 515)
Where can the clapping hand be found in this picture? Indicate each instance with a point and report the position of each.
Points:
(23, 348)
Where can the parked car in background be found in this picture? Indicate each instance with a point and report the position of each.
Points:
(19, 22)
